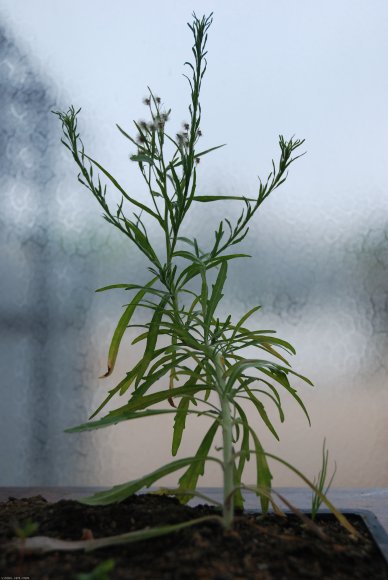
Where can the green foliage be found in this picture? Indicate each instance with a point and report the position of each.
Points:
(185, 339)
(320, 482)
(100, 572)
(26, 530)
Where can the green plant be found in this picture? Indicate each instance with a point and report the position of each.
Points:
(320, 482)
(26, 530)
(100, 572)
(186, 341)
(23, 532)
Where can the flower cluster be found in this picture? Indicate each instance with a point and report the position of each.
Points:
(159, 119)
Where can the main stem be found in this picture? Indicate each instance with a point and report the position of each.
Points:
(227, 448)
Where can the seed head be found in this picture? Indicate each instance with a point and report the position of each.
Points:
(141, 138)
(146, 101)
(143, 124)
(186, 126)
(157, 99)
(199, 133)
(197, 160)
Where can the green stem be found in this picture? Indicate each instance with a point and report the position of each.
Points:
(227, 447)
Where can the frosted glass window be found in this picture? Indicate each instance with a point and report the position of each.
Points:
(319, 245)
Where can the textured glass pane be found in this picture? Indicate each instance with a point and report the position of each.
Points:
(320, 244)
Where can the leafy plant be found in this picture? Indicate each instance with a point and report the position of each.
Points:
(320, 482)
(193, 358)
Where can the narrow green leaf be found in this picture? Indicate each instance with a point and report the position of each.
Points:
(112, 286)
(264, 476)
(216, 294)
(244, 448)
(122, 191)
(209, 198)
(109, 420)
(190, 477)
(282, 379)
(120, 492)
(179, 424)
(152, 338)
(137, 403)
(243, 319)
(261, 410)
(122, 325)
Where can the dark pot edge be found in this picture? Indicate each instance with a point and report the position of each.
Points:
(375, 529)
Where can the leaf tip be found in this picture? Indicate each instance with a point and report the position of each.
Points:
(108, 372)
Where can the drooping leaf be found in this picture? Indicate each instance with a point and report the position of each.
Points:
(45, 544)
(262, 412)
(120, 492)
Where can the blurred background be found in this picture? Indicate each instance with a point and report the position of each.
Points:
(319, 245)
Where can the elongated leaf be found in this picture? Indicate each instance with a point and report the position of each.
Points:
(239, 367)
(121, 388)
(152, 338)
(283, 380)
(147, 382)
(122, 325)
(244, 448)
(275, 400)
(120, 492)
(178, 163)
(107, 420)
(138, 403)
(112, 286)
(264, 476)
(216, 294)
(123, 192)
(194, 269)
(179, 424)
(190, 477)
(243, 319)
(45, 544)
(209, 198)
(261, 410)
(127, 136)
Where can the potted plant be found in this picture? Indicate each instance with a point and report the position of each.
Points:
(194, 363)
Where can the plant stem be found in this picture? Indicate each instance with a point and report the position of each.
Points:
(227, 447)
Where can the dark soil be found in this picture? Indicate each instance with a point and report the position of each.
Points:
(259, 547)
